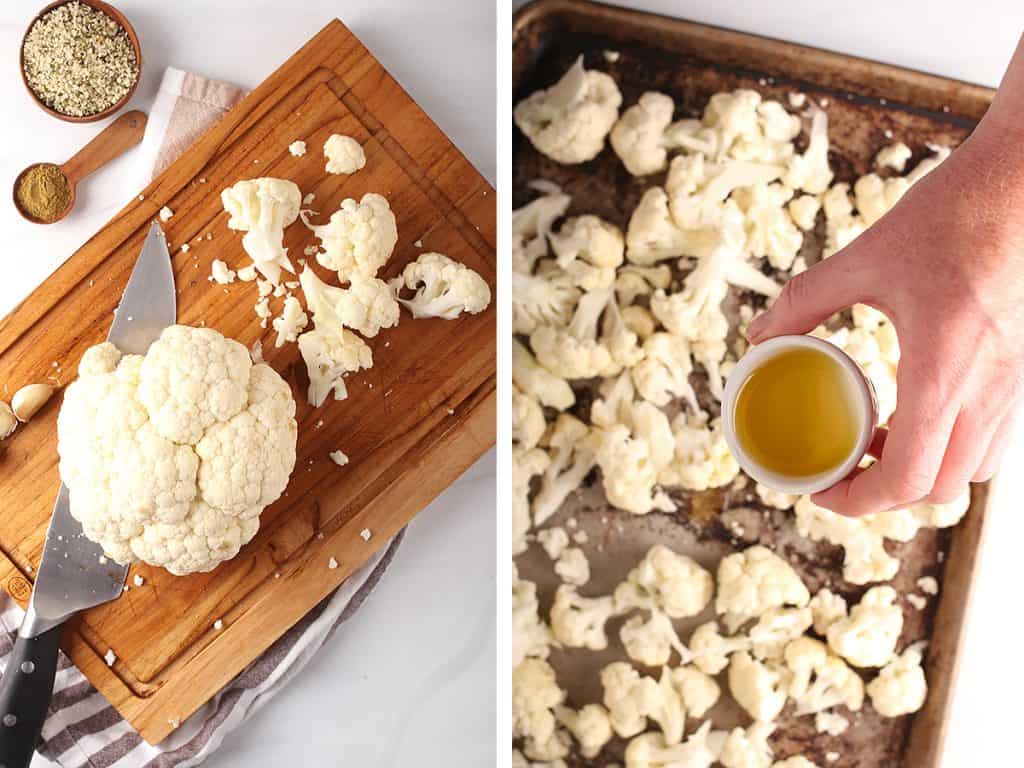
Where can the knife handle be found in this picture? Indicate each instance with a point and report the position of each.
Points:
(25, 692)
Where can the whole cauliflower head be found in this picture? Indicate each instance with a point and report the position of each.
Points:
(569, 121)
(359, 237)
(171, 457)
(444, 288)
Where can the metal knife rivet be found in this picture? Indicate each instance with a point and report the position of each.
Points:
(28, 667)
(10, 720)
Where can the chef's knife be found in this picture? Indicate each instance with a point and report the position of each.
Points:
(73, 574)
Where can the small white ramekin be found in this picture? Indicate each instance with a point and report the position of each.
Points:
(861, 387)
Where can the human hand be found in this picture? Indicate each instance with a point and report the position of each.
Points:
(946, 265)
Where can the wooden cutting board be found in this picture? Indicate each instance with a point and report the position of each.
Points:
(411, 425)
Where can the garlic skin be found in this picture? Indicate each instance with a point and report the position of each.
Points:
(8, 422)
(29, 399)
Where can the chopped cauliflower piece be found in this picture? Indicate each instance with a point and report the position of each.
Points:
(444, 288)
(339, 458)
(748, 748)
(535, 694)
(668, 582)
(262, 208)
(577, 621)
(590, 727)
(711, 650)
(649, 750)
(774, 498)
(571, 459)
(246, 274)
(663, 375)
(810, 171)
(827, 608)
(358, 238)
(344, 154)
(651, 642)
(330, 353)
(528, 425)
(804, 211)
(572, 567)
(290, 323)
(632, 699)
(532, 226)
(820, 680)
(220, 273)
(645, 133)
(754, 581)
(900, 688)
(569, 121)
(894, 156)
(537, 381)
(759, 687)
(530, 636)
(367, 305)
(868, 636)
(526, 464)
(775, 628)
(297, 148)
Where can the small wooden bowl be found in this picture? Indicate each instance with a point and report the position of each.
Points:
(117, 16)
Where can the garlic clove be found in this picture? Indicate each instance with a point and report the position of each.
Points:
(8, 422)
(29, 399)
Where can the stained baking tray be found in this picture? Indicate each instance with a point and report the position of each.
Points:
(869, 105)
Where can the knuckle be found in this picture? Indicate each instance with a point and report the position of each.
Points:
(909, 486)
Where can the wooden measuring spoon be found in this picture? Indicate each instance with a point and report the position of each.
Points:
(114, 140)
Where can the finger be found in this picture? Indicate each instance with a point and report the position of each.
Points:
(832, 284)
(996, 448)
(877, 444)
(919, 432)
(964, 453)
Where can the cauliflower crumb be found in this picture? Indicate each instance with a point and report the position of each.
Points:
(185, 247)
(175, 722)
(928, 585)
(917, 601)
(218, 625)
(297, 148)
(110, 657)
(339, 458)
(332, 564)
(612, 56)
(365, 534)
(138, 581)
(219, 273)
(166, 213)
(308, 198)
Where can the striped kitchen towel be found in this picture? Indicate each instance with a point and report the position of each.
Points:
(82, 730)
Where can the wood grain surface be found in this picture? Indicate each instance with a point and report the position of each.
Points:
(411, 425)
(869, 105)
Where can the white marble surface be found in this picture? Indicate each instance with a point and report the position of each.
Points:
(972, 42)
(411, 679)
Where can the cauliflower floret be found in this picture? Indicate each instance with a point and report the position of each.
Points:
(526, 464)
(649, 750)
(542, 299)
(572, 458)
(900, 688)
(748, 748)
(577, 621)
(535, 694)
(631, 699)
(330, 354)
(632, 281)
(760, 688)
(827, 608)
(875, 196)
(653, 234)
(776, 628)
(530, 636)
(754, 581)
(528, 423)
(366, 306)
(770, 230)
(810, 171)
(698, 690)
(572, 567)
(774, 498)
(702, 458)
(262, 208)
(666, 581)
(220, 273)
(144, 444)
(532, 224)
(590, 727)
(359, 237)
(644, 134)
(553, 541)
(820, 679)
(663, 374)
(894, 156)
(865, 558)
(576, 352)
(537, 381)
(344, 154)
(588, 240)
(569, 121)
(651, 642)
(804, 211)
(444, 288)
(290, 323)
(868, 636)
(711, 650)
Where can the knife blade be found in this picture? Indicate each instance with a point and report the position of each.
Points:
(74, 574)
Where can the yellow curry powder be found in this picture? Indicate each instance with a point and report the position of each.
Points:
(44, 193)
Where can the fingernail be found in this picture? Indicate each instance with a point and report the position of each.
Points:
(757, 326)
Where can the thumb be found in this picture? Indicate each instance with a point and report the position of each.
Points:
(831, 285)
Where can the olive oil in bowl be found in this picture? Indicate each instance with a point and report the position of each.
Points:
(798, 414)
